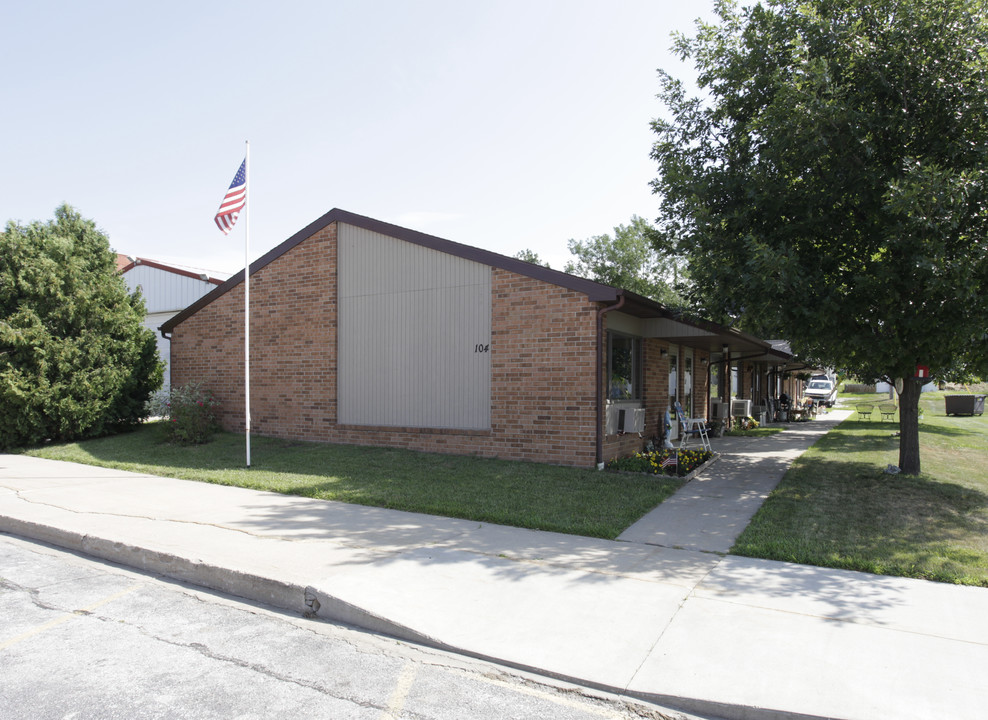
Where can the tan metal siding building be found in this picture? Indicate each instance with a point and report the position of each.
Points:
(414, 335)
(167, 291)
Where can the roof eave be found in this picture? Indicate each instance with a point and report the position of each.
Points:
(595, 292)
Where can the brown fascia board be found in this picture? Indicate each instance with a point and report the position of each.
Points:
(596, 292)
(635, 304)
(644, 307)
(783, 356)
(168, 268)
(781, 346)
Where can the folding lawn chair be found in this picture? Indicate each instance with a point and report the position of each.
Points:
(691, 427)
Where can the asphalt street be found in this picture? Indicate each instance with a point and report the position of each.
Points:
(81, 638)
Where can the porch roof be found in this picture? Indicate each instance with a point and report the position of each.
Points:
(680, 329)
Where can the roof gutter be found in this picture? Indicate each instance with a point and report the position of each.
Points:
(600, 376)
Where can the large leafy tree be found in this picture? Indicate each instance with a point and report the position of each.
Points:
(75, 359)
(828, 182)
(628, 260)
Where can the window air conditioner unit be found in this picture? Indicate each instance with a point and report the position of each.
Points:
(740, 408)
(625, 420)
(633, 420)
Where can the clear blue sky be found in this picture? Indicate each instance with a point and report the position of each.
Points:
(503, 124)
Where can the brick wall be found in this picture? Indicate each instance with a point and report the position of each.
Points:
(543, 402)
(656, 385)
(542, 363)
(292, 341)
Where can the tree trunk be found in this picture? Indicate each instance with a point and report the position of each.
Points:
(909, 425)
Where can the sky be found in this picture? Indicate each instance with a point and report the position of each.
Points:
(504, 125)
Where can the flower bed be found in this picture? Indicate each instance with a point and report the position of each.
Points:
(662, 462)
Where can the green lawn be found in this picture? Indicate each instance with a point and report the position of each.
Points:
(530, 495)
(837, 508)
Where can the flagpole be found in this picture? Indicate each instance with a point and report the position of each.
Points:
(247, 307)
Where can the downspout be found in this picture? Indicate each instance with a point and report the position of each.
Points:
(600, 377)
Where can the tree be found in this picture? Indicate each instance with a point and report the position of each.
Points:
(829, 185)
(529, 255)
(75, 359)
(629, 260)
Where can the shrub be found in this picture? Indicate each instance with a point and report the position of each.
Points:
(747, 423)
(75, 358)
(652, 462)
(190, 410)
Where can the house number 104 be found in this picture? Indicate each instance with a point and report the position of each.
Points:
(482, 348)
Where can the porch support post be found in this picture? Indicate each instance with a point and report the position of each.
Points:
(725, 386)
(600, 378)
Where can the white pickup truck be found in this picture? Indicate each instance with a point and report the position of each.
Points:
(822, 390)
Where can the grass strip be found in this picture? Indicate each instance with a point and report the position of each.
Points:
(520, 494)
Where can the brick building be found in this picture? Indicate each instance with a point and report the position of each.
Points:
(367, 333)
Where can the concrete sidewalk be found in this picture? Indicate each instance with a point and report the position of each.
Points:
(711, 511)
(725, 637)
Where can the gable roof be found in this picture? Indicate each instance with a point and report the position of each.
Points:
(714, 335)
(595, 291)
(126, 262)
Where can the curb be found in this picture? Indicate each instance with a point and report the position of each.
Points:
(277, 593)
(314, 603)
(308, 601)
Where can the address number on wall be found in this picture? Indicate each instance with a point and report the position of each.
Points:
(481, 347)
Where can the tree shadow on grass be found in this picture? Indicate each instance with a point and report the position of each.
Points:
(944, 430)
(850, 442)
(862, 437)
(851, 515)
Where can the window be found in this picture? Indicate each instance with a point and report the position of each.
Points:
(624, 367)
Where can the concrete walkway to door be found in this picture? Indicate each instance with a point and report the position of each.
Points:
(709, 512)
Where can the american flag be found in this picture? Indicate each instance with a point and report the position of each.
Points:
(233, 203)
(670, 460)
